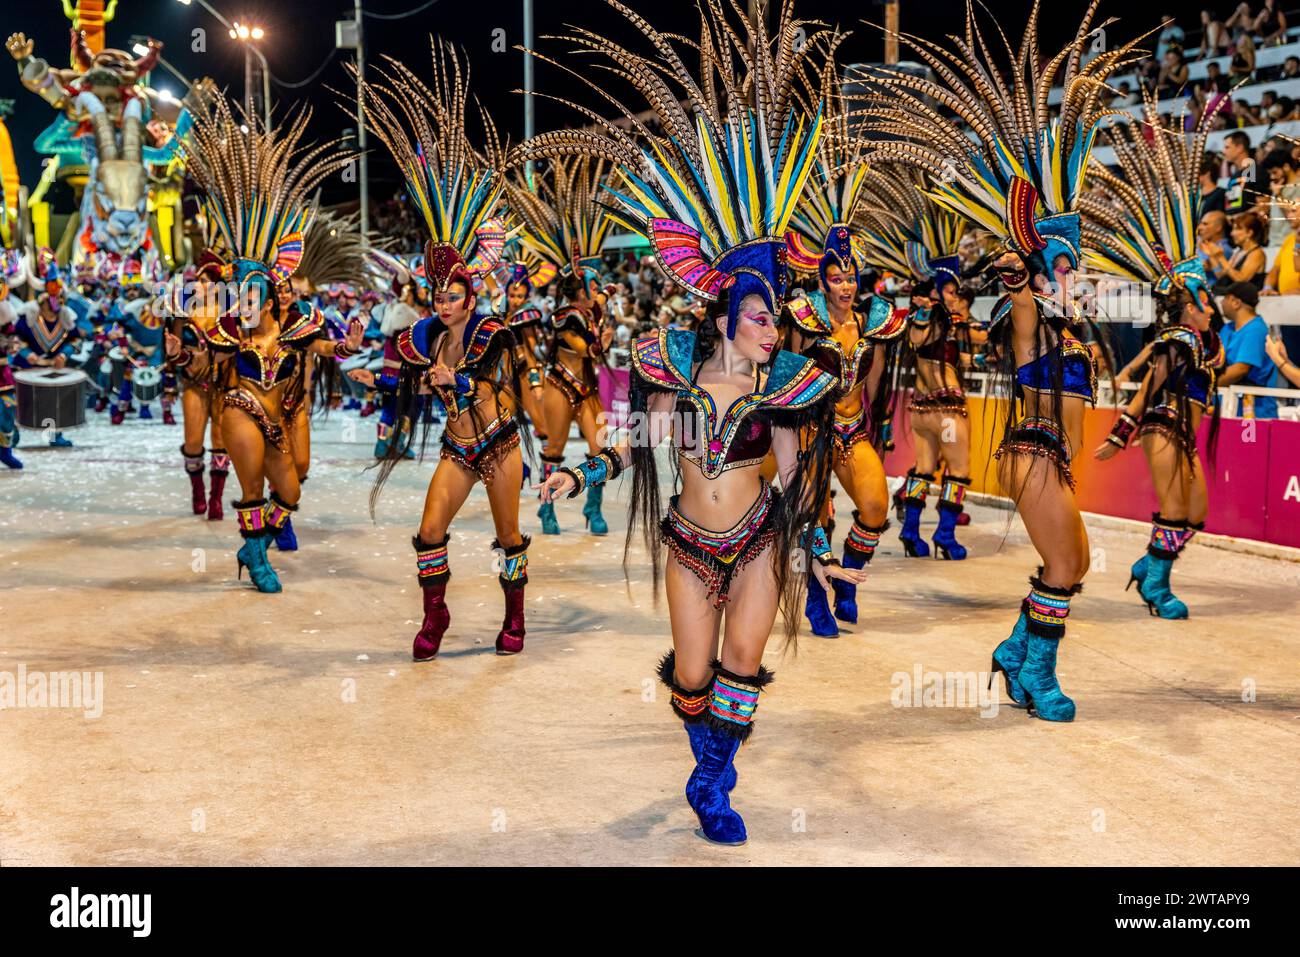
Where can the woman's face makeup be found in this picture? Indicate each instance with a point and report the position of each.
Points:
(840, 287)
(516, 295)
(756, 332)
(453, 305)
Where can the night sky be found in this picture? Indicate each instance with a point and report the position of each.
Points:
(300, 37)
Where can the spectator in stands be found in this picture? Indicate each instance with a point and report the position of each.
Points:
(1283, 174)
(1173, 74)
(1244, 337)
(1240, 159)
(1212, 194)
(1212, 236)
(1277, 352)
(1244, 115)
(1290, 69)
(1243, 18)
(1127, 95)
(1284, 278)
(1242, 67)
(1214, 35)
(1249, 262)
(1270, 24)
(1214, 84)
(1171, 36)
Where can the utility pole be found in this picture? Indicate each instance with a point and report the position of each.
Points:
(529, 118)
(361, 124)
(891, 32)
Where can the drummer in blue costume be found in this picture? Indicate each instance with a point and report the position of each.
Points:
(46, 330)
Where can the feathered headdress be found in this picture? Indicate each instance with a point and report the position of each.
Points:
(258, 183)
(455, 188)
(1143, 224)
(906, 231)
(714, 188)
(1020, 179)
(822, 231)
(565, 220)
(334, 250)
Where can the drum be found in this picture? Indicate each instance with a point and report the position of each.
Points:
(146, 383)
(118, 358)
(51, 398)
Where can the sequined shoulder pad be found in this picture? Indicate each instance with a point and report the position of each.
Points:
(662, 359)
(481, 333)
(884, 322)
(1185, 338)
(306, 323)
(526, 316)
(415, 342)
(225, 333)
(796, 382)
(807, 317)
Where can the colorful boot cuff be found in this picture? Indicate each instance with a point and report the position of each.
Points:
(688, 705)
(734, 699)
(1047, 608)
(252, 523)
(917, 484)
(277, 512)
(1167, 537)
(514, 563)
(431, 562)
(862, 539)
(952, 495)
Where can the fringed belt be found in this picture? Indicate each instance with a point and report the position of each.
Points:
(716, 557)
(1036, 435)
(247, 403)
(481, 453)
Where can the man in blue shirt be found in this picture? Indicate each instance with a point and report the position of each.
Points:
(1247, 361)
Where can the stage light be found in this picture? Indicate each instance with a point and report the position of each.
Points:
(258, 33)
(242, 31)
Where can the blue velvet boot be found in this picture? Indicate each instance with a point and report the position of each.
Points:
(950, 506)
(732, 703)
(8, 458)
(60, 441)
(547, 511)
(1167, 539)
(691, 706)
(817, 610)
(1046, 611)
(595, 520)
(859, 547)
(1008, 657)
(253, 553)
(285, 539)
(913, 504)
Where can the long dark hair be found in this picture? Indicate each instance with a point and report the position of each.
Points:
(796, 508)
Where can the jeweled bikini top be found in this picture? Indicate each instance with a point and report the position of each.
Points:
(665, 361)
(266, 369)
(880, 323)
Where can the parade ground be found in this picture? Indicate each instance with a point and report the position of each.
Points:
(224, 726)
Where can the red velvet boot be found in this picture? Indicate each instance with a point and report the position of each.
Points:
(218, 469)
(513, 577)
(198, 492)
(431, 562)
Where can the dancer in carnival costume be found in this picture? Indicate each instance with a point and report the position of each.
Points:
(334, 251)
(194, 314)
(465, 357)
(1144, 229)
(714, 192)
(258, 184)
(521, 279)
(909, 233)
(849, 344)
(1020, 180)
(566, 224)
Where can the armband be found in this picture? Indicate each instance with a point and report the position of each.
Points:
(600, 468)
(464, 384)
(183, 358)
(535, 377)
(341, 351)
(1122, 431)
(1014, 277)
(820, 546)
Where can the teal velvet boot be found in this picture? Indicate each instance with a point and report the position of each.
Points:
(1046, 611)
(1008, 657)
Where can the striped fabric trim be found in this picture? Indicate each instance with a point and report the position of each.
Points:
(691, 704)
(954, 490)
(274, 516)
(220, 461)
(1048, 611)
(917, 486)
(1168, 538)
(733, 700)
(432, 563)
(862, 540)
(514, 568)
(251, 520)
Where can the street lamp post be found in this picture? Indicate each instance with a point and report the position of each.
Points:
(245, 35)
(361, 127)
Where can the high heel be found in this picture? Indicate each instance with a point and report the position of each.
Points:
(950, 509)
(914, 545)
(818, 612)
(1008, 658)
